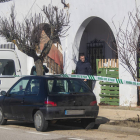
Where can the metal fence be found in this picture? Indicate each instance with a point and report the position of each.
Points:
(54, 68)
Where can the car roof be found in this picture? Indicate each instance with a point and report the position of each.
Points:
(48, 76)
(41, 76)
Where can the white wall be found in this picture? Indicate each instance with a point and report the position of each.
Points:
(81, 13)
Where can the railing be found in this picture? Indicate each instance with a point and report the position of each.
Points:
(108, 63)
(54, 68)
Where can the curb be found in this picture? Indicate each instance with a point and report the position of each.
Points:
(130, 130)
(120, 108)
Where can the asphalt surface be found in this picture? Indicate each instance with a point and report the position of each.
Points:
(25, 131)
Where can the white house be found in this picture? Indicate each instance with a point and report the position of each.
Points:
(89, 20)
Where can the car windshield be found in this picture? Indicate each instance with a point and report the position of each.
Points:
(7, 67)
(67, 86)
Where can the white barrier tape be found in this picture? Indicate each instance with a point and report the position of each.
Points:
(88, 77)
(100, 78)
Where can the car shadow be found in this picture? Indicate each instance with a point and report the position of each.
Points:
(52, 127)
(20, 123)
(100, 120)
(60, 125)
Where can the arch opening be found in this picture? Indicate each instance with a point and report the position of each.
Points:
(95, 39)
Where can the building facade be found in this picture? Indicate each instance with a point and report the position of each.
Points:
(90, 22)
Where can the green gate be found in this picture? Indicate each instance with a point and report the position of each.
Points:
(109, 91)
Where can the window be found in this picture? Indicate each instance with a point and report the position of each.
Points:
(68, 86)
(19, 88)
(33, 87)
(1, 1)
(7, 67)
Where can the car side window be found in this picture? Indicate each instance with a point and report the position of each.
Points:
(19, 88)
(50, 85)
(33, 87)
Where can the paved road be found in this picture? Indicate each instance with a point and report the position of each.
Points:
(26, 131)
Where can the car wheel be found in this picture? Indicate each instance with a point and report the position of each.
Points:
(39, 121)
(88, 123)
(2, 120)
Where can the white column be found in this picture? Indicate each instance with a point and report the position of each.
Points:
(127, 93)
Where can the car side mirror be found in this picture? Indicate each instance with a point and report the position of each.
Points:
(4, 93)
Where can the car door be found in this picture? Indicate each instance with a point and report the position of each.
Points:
(16, 95)
(32, 100)
(6, 108)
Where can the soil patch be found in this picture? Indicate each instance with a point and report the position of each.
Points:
(131, 122)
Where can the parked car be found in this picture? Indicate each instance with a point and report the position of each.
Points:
(42, 99)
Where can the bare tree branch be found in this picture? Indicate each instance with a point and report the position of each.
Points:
(126, 45)
(27, 34)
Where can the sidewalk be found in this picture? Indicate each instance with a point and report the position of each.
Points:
(114, 114)
(120, 113)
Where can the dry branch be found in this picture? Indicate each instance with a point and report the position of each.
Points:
(27, 34)
(126, 43)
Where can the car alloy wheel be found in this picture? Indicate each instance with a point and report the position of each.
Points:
(38, 121)
(1, 116)
(2, 120)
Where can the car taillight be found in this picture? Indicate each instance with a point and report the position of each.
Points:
(50, 103)
(93, 103)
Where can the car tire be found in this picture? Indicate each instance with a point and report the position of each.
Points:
(88, 123)
(2, 120)
(39, 121)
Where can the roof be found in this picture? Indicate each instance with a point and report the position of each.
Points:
(4, 1)
(54, 52)
(56, 55)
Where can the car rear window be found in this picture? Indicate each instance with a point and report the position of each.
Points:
(67, 86)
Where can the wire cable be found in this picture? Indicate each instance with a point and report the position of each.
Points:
(30, 9)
